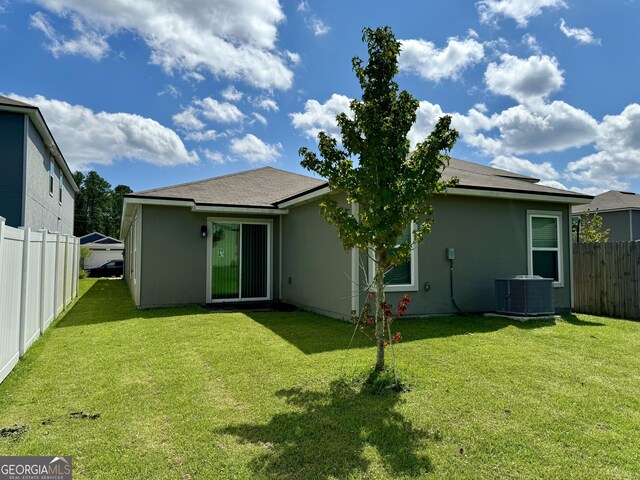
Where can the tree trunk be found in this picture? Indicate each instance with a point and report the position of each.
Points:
(381, 259)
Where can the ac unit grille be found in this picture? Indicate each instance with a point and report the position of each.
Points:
(525, 295)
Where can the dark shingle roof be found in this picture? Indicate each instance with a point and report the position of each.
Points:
(267, 186)
(261, 187)
(611, 200)
(480, 177)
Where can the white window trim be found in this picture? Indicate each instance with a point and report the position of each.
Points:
(250, 221)
(52, 174)
(411, 287)
(558, 216)
(60, 188)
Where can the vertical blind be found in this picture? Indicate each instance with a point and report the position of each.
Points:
(238, 261)
(400, 274)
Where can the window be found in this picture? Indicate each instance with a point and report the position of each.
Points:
(52, 174)
(545, 245)
(61, 187)
(401, 278)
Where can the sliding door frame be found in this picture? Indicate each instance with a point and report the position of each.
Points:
(240, 221)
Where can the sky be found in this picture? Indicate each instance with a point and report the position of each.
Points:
(152, 93)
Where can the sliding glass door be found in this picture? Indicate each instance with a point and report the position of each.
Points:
(239, 261)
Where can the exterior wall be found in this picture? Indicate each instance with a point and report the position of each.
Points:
(490, 241)
(43, 210)
(12, 161)
(316, 270)
(635, 216)
(174, 256)
(618, 222)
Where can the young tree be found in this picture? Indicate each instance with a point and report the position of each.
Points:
(391, 184)
(588, 229)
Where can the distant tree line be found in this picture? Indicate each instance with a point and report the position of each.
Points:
(98, 207)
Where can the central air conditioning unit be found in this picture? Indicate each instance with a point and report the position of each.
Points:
(525, 295)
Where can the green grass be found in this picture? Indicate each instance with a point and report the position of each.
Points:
(185, 393)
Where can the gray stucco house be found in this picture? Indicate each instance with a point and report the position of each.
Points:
(37, 189)
(620, 212)
(258, 234)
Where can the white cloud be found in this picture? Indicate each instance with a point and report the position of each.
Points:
(254, 150)
(318, 117)
(232, 94)
(260, 118)
(88, 43)
(426, 60)
(543, 171)
(293, 57)
(526, 80)
(531, 41)
(171, 91)
(266, 103)
(233, 39)
(205, 136)
(216, 157)
(222, 112)
(518, 10)
(618, 155)
(582, 35)
(544, 128)
(303, 6)
(87, 138)
(188, 119)
(317, 26)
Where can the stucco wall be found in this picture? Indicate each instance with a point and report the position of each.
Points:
(618, 222)
(490, 241)
(316, 269)
(11, 159)
(174, 256)
(43, 210)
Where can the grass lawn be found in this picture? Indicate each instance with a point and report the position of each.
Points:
(185, 393)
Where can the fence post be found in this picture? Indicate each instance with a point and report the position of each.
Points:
(2, 220)
(24, 287)
(56, 287)
(66, 272)
(43, 279)
(76, 266)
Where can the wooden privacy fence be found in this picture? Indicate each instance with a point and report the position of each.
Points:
(606, 279)
(38, 279)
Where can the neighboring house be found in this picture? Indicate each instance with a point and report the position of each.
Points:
(620, 212)
(37, 189)
(103, 249)
(258, 234)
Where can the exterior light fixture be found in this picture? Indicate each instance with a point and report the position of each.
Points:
(203, 231)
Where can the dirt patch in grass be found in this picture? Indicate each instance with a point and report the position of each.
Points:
(13, 433)
(84, 416)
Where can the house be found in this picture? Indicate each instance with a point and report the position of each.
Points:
(37, 189)
(103, 249)
(620, 212)
(258, 234)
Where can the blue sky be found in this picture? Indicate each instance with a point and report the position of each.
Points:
(157, 92)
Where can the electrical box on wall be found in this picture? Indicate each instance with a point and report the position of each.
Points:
(451, 253)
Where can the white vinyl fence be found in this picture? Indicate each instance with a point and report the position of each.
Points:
(38, 280)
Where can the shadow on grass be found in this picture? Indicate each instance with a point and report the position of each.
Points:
(574, 320)
(312, 333)
(337, 434)
(110, 301)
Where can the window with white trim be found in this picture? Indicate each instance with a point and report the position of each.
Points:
(52, 174)
(61, 187)
(544, 234)
(404, 277)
